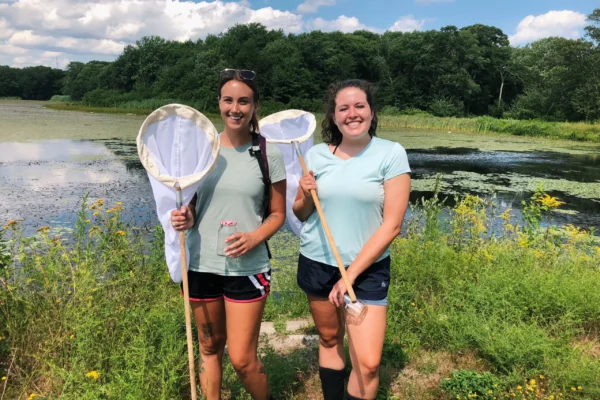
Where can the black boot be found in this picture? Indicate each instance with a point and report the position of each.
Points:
(332, 383)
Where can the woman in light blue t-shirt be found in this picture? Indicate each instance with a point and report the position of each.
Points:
(363, 184)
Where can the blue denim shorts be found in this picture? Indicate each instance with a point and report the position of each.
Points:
(371, 287)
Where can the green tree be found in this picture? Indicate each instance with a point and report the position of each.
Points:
(592, 30)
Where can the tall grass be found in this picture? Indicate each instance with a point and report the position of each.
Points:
(136, 107)
(92, 314)
(557, 130)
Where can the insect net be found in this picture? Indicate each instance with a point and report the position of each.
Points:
(282, 129)
(177, 146)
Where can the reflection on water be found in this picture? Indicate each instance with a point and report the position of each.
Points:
(44, 182)
(50, 150)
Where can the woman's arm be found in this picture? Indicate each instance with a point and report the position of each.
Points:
(395, 203)
(243, 242)
(304, 205)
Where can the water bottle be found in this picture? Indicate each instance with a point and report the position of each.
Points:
(226, 229)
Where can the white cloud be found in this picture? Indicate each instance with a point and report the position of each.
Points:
(28, 39)
(88, 29)
(12, 50)
(407, 24)
(50, 54)
(426, 2)
(275, 19)
(311, 6)
(342, 24)
(564, 23)
(5, 31)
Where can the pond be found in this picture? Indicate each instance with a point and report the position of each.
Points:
(50, 159)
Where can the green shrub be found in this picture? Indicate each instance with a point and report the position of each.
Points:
(444, 107)
(466, 384)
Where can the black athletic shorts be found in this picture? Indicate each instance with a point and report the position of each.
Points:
(371, 287)
(205, 286)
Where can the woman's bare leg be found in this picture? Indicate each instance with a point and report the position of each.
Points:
(210, 320)
(243, 329)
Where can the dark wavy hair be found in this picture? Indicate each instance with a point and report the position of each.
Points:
(252, 85)
(330, 132)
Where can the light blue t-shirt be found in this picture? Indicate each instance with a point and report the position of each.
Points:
(351, 194)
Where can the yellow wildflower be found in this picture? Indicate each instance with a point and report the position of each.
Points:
(87, 221)
(573, 388)
(598, 250)
(519, 388)
(10, 223)
(532, 382)
(121, 233)
(506, 215)
(95, 375)
(541, 376)
(31, 396)
(579, 388)
(3, 378)
(523, 241)
(550, 202)
(96, 213)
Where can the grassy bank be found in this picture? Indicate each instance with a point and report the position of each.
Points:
(556, 130)
(478, 305)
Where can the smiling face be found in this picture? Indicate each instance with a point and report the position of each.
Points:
(237, 105)
(353, 113)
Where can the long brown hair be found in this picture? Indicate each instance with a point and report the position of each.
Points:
(330, 132)
(256, 97)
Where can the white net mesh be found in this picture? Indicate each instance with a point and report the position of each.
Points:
(282, 129)
(177, 145)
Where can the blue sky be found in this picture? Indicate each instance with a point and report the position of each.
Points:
(55, 32)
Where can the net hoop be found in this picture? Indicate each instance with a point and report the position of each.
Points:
(289, 114)
(186, 112)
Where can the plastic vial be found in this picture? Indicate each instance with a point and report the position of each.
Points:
(356, 311)
(226, 229)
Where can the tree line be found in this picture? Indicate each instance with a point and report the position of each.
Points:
(446, 72)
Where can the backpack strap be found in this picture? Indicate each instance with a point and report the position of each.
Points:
(259, 150)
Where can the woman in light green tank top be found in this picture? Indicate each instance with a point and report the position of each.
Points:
(363, 184)
(228, 287)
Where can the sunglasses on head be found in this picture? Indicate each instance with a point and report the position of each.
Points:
(245, 74)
